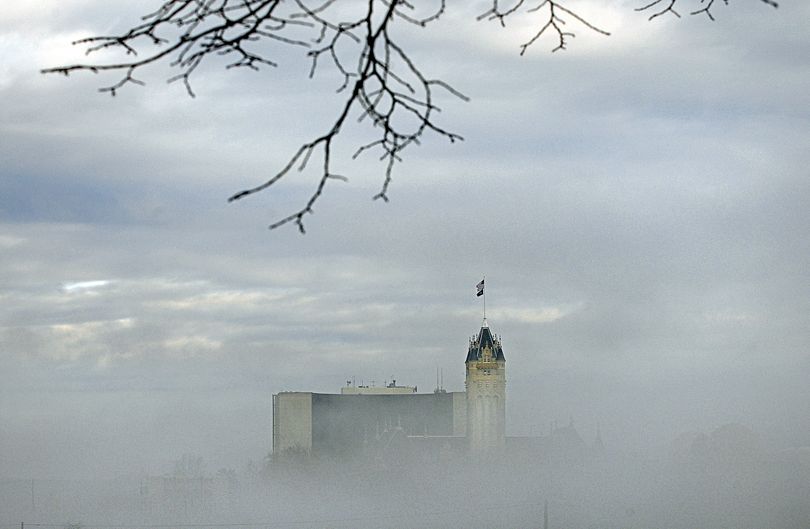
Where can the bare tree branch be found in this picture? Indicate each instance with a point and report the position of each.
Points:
(380, 81)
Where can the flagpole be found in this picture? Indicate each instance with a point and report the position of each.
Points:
(485, 298)
(482, 291)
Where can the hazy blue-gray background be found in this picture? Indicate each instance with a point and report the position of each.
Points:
(638, 203)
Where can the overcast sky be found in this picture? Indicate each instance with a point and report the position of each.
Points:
(639, 203)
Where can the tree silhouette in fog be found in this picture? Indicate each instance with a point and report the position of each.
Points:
(380, 82)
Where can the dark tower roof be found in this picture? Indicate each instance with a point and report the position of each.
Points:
(485, 339)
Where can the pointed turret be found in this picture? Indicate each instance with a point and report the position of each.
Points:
(483, 342)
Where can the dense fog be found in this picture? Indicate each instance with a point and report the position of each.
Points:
(722, 478)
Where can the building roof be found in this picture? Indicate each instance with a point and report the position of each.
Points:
(485, 339)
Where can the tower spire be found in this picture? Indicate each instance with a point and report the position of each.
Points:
(486, 392)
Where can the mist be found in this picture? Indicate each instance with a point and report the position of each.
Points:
(722, 478)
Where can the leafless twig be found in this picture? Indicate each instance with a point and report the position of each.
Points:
(554, 20)
(661, 7)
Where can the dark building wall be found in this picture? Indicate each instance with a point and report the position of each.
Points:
(346, 424)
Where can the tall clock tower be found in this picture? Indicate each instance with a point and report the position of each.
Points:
(486, 392)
